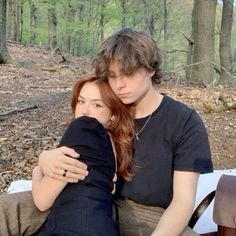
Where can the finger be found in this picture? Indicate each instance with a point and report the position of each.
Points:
(72, 172)
(65, 179)
(69, 151)
(74, 177)
(75, 169)
(67, 176)
(72, 162)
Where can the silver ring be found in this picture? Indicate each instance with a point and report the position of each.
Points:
(64, 174)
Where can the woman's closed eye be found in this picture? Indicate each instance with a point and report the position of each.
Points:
(97, 105)
(80, 101)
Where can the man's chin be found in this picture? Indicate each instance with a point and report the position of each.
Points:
(127, 101)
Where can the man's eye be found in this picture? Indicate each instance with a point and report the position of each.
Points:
(112, 76)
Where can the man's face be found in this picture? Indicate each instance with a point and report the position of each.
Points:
(129, 88)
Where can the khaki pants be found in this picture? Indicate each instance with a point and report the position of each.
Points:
(19, 216)
(141, 220)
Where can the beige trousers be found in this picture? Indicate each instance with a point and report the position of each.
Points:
(141, 220)
(19, 216)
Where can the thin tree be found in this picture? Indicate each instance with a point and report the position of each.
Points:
(52, 25)
(124, 8)
(225, 42)
(102, 4)
(33, 20)
(4, 54)
(165, 27)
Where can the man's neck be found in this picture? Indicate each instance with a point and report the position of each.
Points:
(148, 104)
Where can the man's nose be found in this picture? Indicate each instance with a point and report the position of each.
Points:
(120, 82)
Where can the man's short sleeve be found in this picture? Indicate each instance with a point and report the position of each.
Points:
(192, 151)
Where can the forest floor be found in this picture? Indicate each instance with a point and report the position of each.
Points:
(35, 106)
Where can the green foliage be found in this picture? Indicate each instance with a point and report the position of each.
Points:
(80, 23)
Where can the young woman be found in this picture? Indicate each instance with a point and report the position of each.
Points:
(102, 132)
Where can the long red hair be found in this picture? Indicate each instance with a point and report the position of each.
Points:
(121, 127)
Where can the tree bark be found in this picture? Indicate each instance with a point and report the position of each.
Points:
(69, 17)
(33, 20)
(165, 27)
(102, 19)
(19, 20)
(52, 25)
(4, 54)
(203, 37)
(9, 19)
(188, 70)
(225, 41)
(124, 9)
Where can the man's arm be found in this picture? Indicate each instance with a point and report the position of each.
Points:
(54, 162)
(176, 217)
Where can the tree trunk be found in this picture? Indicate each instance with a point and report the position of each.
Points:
(203, 37)
(69, 17)
(33, 19)
(4, 54)
(188, 70)
(52, 25)
(165, 27)
(102, 21)
(124, 9)
(12, 20)
(225, 41)
(19, 20)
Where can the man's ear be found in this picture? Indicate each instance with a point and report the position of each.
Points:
(152, 73)
(113, 117)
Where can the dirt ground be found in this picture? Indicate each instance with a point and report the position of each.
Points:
(34, 107)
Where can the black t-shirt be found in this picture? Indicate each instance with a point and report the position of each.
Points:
(173, 139)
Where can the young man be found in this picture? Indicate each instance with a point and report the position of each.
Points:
(170, 148)
(171, 144)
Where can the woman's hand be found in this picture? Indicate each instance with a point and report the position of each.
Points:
(60, 163)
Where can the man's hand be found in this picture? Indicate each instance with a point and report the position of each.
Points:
(53, 163)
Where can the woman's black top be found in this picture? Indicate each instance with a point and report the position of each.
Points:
(85, 208)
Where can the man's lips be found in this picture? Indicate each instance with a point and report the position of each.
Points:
(122, 94)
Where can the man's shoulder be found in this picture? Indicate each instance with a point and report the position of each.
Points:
(178, 113)
(177, 107)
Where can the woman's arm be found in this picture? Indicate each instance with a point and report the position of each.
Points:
(176, 217)
(45, 189)
(53, 163)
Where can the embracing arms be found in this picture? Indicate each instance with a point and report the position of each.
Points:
(48, 180)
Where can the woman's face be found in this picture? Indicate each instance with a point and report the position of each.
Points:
(90, 104)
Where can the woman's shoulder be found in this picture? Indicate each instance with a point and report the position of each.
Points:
(86, 122)
(84, 130)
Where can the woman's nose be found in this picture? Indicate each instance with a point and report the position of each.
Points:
(85, 109)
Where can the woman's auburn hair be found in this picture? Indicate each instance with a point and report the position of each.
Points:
(121, 127)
